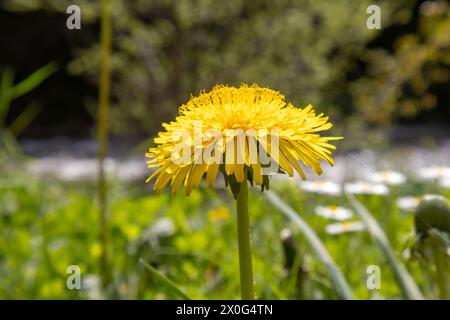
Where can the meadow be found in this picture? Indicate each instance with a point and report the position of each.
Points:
(48, 224)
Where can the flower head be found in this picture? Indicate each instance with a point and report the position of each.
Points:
(434, 172)
(445, 183)
(334, 212)
(219, 214)
(344, 227)
(408, 203)
(388, 177)
(363, 187)
(246, 133)
(321, 187)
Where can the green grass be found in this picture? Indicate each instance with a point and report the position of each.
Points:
(46, 225)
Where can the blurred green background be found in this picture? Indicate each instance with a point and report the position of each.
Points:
(386, 91)
(317, 52)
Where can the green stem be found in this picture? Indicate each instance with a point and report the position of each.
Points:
(102, 134)
(245, 255)
(442, 280)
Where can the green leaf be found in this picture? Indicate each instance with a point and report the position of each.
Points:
(9, 147)
(165, 281)
(33, 80)
(6, 83)
(25, 118)
(9, 92)
(339, 282)
(404, 279)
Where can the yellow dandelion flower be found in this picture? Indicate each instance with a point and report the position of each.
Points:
(246, 133)
(219, 214)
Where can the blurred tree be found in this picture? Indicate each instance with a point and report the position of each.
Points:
(398, 83)
(315, 51)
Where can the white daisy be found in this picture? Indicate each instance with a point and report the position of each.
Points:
(322, 187)
(334, 212)
(362, 187)
(432, 196)
(162, 227)
(343, 227)
(434, 172)
(445, 183)
(408, 203)
(388, 177)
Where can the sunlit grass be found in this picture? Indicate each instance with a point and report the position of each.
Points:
(48, 225)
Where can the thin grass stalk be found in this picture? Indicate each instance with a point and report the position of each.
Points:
(339, 282)
(441, 272)
(171, 286)
(409, 288)
(102, 135)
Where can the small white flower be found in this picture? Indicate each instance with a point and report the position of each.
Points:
(163, 227)
(432, 196)
(343, 227)
(322, 187)
(388, 177)
(334, 212)
(408, 203)
(445, 183)
(434, 172)
(362, 187)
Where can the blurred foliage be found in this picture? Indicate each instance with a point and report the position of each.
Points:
(317, 52)
(398, 83)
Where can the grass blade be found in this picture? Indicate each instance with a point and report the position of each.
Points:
(9, 148)
(6, 83)
(404, 279)
(164, 280)
(33, 80)
(339, 282)
(25, 118)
